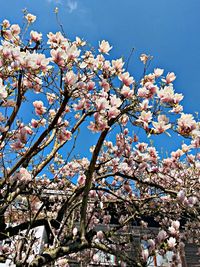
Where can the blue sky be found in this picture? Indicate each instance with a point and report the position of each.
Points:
(167, 29)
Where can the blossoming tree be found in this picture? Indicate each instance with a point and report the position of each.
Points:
(51, 94)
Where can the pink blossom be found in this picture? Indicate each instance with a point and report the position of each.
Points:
(70, 78)
(80, 42)
(39, 107)
(142, 147)
(171, 242)
(58, 56)
(144, 58)
(176, 224)
(22, 176)
(57, 40)
(177, 109)
(81, 179)
(115, 101)
(90, 85)
(106, 219)
(95, 257)
(192, 201)
(181, 195)
(17, 145)
(127, 92)
(167, 95)
(35, 123)
(148, 90)
(105, 85)
(124, 119)
(100, 235)
(113, 112)
(72, 52)
(144, 105)
(3, 92)
(186, 124)
(30, 18)
(74, 231)
(63, 135)
(162, 125)
(126, 78)
(5, 23)
(145, 254)
(35, 36)
(102, 104)
(104, 47)
(158, 72)
(172, 230)
(118, 64)
(144, 118)
(15, 29)
(51, 98)
(162, 235)
(170, 77)
(151, 243)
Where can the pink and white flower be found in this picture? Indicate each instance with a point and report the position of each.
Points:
(39, 107)
(104, 47)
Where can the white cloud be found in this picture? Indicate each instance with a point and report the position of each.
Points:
(72, 5)
(55, 1)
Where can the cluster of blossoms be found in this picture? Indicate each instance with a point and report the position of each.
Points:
(50, 97)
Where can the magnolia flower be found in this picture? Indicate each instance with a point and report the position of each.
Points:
(30, 18)
(170, 77)
(39, 107)
(113, 112)
(80, 42)
(104, 47)
(95, 257)
(17, 145)
(127, 92)
(35, 123)
(63, 135)
(126, 78)
(118, 64)
(15, 29)
(57, 40)
(145, 254)
(158, 72)
(35, 36)
(186, 124)
(176, 224)
(161, 235)
(162, 125)
(167, 95)
(5, 23)
(58, 56)
(145, 117)
(151, 243)
(102, 104)
(74, 231)
(81, 179)
(22, 176)
(144, 105)
(100, 235)
(115, 101)
(3, 92)
(171, 242)
(144, 58)
(70, 78)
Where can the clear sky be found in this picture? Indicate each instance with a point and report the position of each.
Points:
(167, 29)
